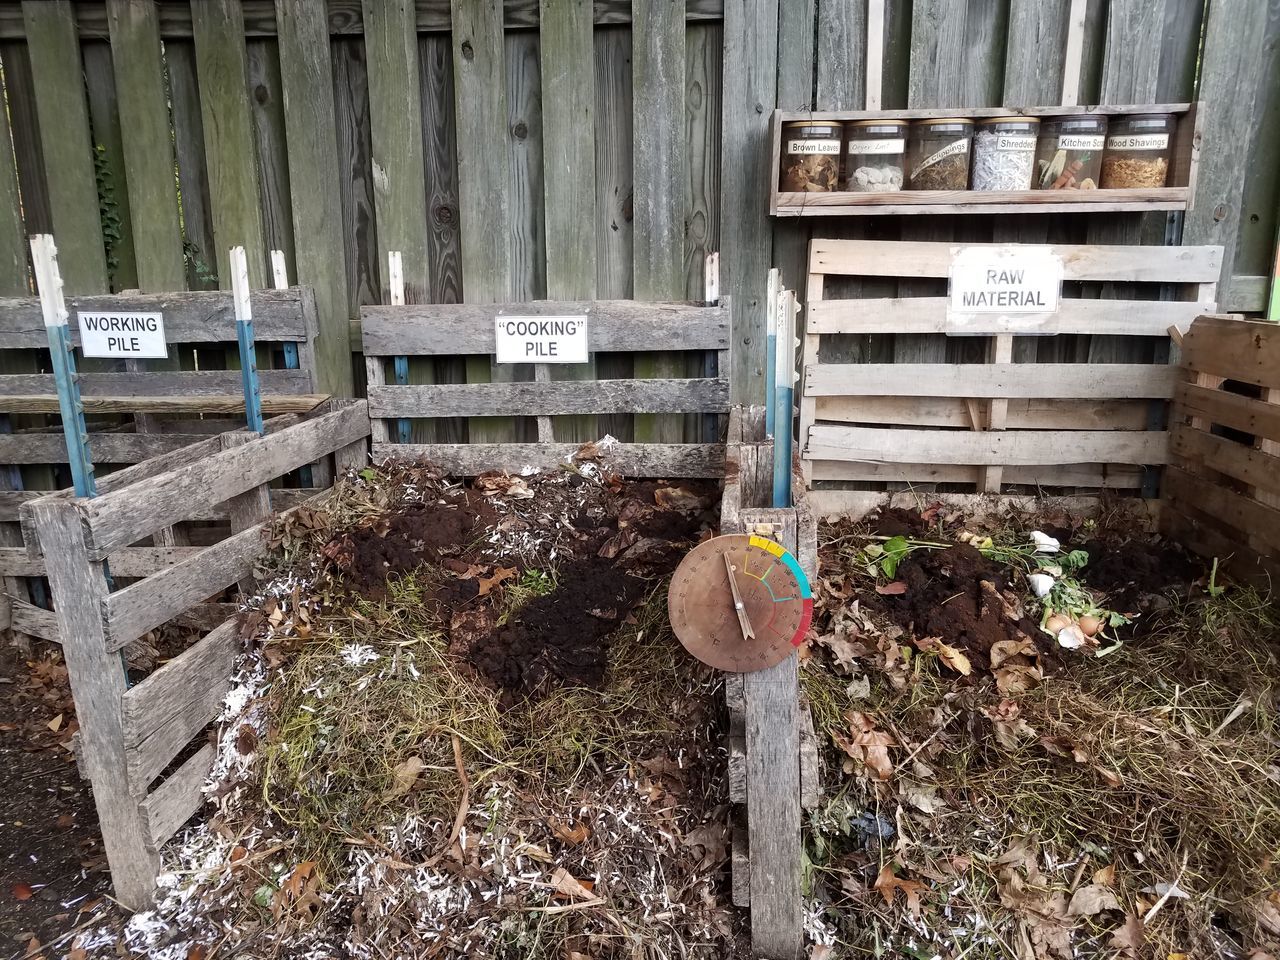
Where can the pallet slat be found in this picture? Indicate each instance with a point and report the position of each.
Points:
(550, 398)
(1244, 350)
(982, 380)
(177, 799)
(130, 562)
(1093, 475)
(1251, 520)
(1023, 414)
(1229, 457)
(1146, 318)
(1008, 448)
(629, 459)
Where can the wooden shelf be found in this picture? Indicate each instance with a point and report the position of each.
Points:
(1184, 157)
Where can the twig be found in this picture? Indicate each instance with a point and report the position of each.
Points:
(1164, 897)
(566, 907)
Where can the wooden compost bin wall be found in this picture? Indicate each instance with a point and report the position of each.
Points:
(991, 424)
(140, 409)
(1222, 488)
(131, 736)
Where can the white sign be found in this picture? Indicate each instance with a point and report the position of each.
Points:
(541, 339)
(1004, 280)
(132, 336)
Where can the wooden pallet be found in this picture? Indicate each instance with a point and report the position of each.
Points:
(988, 425)
(467, 330)
(129, 736)
(1222, 488)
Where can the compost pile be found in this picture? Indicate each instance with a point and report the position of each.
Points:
(1042, 738)
(461, 727)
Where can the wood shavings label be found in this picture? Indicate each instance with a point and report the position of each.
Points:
(950, 150)
(869, 147)
(541, 339)
(1139, 141)
(811, 147)
(1080, 141)
(131, 336)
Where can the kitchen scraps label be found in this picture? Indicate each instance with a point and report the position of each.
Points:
(541, 339)
(1010, 281)
(130, 336)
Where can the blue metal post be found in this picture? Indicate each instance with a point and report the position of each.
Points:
(771, 347)
(784, 401)
(293, 362)
(403, 432)
(244, 337)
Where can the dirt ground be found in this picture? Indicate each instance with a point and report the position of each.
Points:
(52, 868)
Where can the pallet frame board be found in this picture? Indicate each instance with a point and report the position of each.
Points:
(996, 423)
(130, 735)
(1184, 161)
(453, 330)
(1222, 492)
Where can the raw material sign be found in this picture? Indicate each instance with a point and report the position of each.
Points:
(132, 336)
(1004, 280)
(541, 339)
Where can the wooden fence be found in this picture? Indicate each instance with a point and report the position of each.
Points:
(586, 159)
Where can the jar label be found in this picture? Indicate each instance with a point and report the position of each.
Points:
(876, 146)
(1080, 141)
(1015, 141)
(1139, 141)
(813, 146)
(950, 150)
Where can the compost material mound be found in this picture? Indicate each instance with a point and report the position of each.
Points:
(405, 541)
(959, 595)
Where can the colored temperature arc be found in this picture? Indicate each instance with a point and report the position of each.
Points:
(740, 603)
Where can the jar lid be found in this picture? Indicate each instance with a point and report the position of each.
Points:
(1029, 121)
(898, 124)
(1078, 120)
(1148, 116)
(823, 128)
(941, 120)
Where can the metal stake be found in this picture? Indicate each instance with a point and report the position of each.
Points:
(244, 336)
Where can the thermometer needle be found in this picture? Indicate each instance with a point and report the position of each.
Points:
(738, 605)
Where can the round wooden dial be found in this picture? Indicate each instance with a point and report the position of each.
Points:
(776, 603)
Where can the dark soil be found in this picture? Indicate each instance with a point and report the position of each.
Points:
(620, 538)
(51, 862)
(956, 595)
(1138, 578)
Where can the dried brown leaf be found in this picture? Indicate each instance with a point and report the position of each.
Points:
(569, 887)
(889, 883)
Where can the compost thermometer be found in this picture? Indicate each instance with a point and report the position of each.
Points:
(740, 603)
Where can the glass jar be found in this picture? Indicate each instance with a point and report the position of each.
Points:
(810, 156)
(1137, 153)
(874, 153)
(1069, 153)
(938, 154)
(1004, 153)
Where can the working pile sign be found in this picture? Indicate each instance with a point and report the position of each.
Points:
(129, 336)
(1005, 280)
(541, 339)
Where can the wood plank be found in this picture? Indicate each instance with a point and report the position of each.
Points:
(27, 448)
(226, 404)
(658, 65)
(1240, 461)
(116, 392)
(1244, 350)
(193, 174)
(232, 155)
(98, 684)
(351, 112)
(916, 315)
(750, 93)
(612, 325)
(34, 621)
(528, 240)
(1043, 381)
(943, 202)
(841, 55)
(484, 206)
(628, 459)
(163, 712)
(1052, 413)
(266, 108)
(130, 562)
(28, 152)
(195, 317)
(344, 17)
(148, 143)
(881, 258)
(1007, 448)
(1228, 409)
(306, 79)
(858, 503)
(1090, 475)
(67, 142)
(569, 155)
(1256, 522)
(550, 398)
(1234, 45)
(133, 610)
(178, 797)
(125, 516)
(14, 276)
(104, 122)
(399, 189)
(1035, 58)
(1211, 539)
